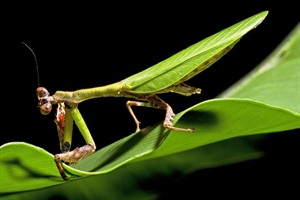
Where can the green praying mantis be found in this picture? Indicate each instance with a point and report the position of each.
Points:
(166, 76)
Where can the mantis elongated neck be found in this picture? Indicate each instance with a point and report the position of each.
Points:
(78, 96)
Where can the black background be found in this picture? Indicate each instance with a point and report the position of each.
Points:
(93, 45)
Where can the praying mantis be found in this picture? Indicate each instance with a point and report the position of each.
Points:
(144, 87)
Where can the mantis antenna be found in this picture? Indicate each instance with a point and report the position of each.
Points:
(36, 63)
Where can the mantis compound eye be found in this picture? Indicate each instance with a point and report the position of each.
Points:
(42, 92)
(44, 102)
(46, 108)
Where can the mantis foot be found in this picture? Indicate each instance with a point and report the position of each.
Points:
(72, 157)
(168, 121)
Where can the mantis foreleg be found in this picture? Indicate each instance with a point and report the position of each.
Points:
(64, 122)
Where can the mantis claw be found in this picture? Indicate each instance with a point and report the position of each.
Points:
(60, 168)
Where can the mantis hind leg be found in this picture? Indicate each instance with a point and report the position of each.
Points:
(155, 102)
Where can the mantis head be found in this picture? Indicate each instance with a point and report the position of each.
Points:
(44, 98)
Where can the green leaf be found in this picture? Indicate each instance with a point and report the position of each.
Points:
(122, 183)
(276, 81)
(213, 120)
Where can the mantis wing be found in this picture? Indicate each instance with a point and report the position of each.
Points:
(190, 61)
